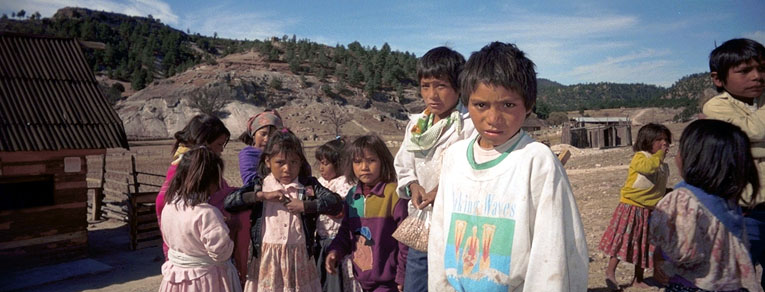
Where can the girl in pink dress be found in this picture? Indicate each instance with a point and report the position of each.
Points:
(285, 201)
(199, 247)
(209, 131)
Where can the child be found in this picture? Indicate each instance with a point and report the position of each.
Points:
(418, 161)
(329, 158)
(506, 188)
(626, 238)
(210, 132)
(698, 227)
(195, 231)
(373, 210)
(738, 72)
(285, 201)
(259, 127)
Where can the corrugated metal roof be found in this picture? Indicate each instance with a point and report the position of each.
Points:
(49, 98)
(601, 119)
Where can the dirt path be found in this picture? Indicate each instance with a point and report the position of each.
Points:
(360, 126)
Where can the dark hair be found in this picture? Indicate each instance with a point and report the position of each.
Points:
(199, 131)
(442, 63)
(716, 157)
(375, 144)
(247, 139)
(198, 170)
(732, 53)
(332, 151)
(283, 141)
(500, 64)
(649, 133)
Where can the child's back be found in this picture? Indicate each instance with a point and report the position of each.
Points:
(699, 226)
(195, 232)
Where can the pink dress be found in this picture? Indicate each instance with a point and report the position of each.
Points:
(238, 224)
(200, 250)
(284, 263)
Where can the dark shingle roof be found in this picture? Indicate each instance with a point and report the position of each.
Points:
(49, 98)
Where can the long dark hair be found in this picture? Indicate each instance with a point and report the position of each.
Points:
(283, 141)
(199, 169)
(716, 157)
(375, 144)
(200, 130)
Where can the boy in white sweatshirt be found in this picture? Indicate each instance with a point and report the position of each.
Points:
(504, 217)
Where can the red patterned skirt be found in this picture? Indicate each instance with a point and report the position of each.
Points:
(626, 237)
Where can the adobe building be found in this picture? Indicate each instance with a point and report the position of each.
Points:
(52, 115)
(597, 132)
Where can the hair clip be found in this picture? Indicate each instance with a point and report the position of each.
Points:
(338, 137)
(285, 130)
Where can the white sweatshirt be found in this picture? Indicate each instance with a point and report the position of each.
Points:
(424, 167)
(521, 210)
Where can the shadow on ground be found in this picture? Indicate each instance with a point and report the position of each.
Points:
(109, 243)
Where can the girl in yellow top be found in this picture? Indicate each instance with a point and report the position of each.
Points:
(626, 238)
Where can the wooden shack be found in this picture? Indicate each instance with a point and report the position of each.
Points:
(52, 115)
(597, 132)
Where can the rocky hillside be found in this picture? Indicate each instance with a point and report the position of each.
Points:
(245, 82)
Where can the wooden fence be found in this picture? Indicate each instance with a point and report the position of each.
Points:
(129, 196)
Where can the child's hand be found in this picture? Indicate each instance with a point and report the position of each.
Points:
(428, 198)
(417, 193)
(271, 196)
(294, 206)
(331, 263)
(400, 288)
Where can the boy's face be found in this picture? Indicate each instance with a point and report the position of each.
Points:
(439, 95)
(745, 80)
(497, 112)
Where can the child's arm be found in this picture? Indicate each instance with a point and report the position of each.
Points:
(341, 245)
(558, 259)
(752, 124)
(404, 163)
(647, 164)
(400, 212)
(326, 202)
(249, 195)
(215, 234)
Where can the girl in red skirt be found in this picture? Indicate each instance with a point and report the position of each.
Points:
(626, 238)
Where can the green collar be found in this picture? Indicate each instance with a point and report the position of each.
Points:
(493, 162)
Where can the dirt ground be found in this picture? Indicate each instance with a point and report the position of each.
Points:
(596, 176)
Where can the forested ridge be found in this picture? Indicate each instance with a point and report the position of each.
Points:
(141, 49)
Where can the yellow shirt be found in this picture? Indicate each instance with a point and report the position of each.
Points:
(751, 120)
(646, 181)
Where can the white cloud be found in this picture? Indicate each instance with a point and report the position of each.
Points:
(646, 66)
(230, 23)
(758, 36)
(158, 9)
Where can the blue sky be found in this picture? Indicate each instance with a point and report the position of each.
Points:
(652, 41)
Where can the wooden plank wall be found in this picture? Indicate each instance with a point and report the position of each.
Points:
(47, 234)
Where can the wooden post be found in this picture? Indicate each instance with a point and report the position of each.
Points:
(134, 173)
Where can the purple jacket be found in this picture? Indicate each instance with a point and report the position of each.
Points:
(366, 233)
(248, 163)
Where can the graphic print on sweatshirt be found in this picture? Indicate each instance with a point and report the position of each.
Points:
(478, 249)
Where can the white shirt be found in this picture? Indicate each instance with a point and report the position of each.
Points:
(520, 209)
